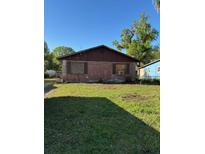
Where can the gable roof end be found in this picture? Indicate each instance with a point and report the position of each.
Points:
(100, 46)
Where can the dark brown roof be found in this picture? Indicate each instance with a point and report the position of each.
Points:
(119, 55)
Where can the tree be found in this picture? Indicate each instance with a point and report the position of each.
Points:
(157, 4)
(126, 39)
(62, 51)
(137, 41)
(156, 53)
(58, 52)
(46, 50)
(47, 59)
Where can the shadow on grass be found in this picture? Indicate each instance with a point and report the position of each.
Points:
(48, 87)
(95, 125)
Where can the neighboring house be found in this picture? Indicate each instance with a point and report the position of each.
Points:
(150, 70)
(96, 64)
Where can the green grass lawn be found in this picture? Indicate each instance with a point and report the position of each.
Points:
(102, 118)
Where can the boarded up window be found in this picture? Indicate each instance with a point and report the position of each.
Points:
(127, 69)
(64, 66)
(85, 68)
(68, 67)
(113, 69)
(77, 67)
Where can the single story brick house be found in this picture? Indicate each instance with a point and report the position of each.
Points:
(150, 70)
(96, 64)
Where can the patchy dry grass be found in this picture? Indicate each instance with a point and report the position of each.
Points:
(102, 118)
(134, 97)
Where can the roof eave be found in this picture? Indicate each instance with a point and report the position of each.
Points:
(82, 51)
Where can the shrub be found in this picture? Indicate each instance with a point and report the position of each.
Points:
(148, 81)
(46, 75)
(100, 80)
(128, 79)
(137, 81)
(156, 81)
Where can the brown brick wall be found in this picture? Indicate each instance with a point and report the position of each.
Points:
(99, 71)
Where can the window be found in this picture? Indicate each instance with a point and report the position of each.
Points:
(120, 69)
(78, 68)
(147, 70)
(158, 69)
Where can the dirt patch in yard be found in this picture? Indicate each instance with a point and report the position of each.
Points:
(111, 86)
(107, 86)
(134, 96)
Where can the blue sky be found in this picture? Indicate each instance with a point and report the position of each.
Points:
(82, 24)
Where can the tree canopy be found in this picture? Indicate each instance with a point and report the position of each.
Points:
(62, 51)
(50, 58)
(46, 50)
(157, 4)
(47, 57)
(58, 52)
(137, 40)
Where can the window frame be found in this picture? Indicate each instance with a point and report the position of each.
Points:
(126, 69)
(85, 67)
(158, 69)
